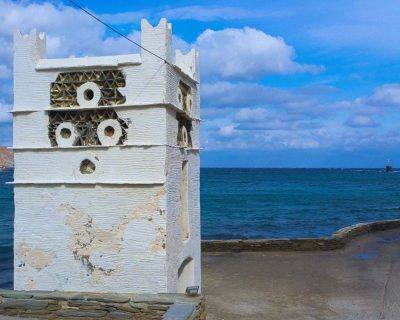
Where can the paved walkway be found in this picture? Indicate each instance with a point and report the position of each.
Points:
(361, 281)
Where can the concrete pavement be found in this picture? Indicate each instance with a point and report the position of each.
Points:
(361, 281)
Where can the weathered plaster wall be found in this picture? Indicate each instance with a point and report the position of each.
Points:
(178, 248)
(90, 238)
(113, 165)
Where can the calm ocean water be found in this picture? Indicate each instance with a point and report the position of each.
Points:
(6, 229)
(265, 203)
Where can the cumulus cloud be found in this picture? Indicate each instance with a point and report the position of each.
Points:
(5, 72)
(228, 94)
(360, 121)
(69, 31)
(251, 114)
(235, 138)
(197, 13)
(5, 115)
(223, 94)
(383, 98)
(227, 131)
(268, 121)
(246, 53)
(262, 119)
(209, 13)
(387, 95)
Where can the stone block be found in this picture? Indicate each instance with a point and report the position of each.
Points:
(28, 304)
(120, 315)
(81, 313)
(15, 294)
(179, 311)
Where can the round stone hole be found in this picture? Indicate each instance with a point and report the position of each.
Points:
(65, 133)
(88, 94)
(87, 167)
(109, 131)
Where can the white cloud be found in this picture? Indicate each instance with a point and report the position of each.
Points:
(262, 119)
(228, 94)
(387, 95)
(209, 13)
(5, 115)
(5, 72)
(268, 120)
(251, 114)
(198, 13)
(247, 54)
(382, 98)
(69, 31)
(360, 121)
(227, 131)
(223, 94)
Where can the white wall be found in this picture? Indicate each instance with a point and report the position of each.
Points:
(90, 238)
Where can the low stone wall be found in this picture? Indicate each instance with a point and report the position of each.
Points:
(337, 241)
(74, 305)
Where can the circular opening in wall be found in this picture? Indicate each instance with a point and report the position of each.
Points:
(88, 94)
(65, 133)
(87, 167)
(109, 131)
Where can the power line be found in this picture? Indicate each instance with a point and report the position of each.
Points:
(116, 31)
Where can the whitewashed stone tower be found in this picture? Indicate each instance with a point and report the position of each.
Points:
(106, 168)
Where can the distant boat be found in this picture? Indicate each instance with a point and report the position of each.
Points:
(389, 167)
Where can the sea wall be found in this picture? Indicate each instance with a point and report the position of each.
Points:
(338, 240)
(74, 305)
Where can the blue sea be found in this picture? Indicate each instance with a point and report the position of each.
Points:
(265, 203)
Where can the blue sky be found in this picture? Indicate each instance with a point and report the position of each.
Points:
(284, 83)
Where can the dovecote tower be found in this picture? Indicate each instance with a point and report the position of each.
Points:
(106, 177)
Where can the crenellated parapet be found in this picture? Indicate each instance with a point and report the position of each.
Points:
(188, 63)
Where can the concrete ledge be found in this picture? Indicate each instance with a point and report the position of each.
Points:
(337, 241)
(75, 305)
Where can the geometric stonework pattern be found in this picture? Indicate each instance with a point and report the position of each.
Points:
(63, 90)
(85, 123)
(184, 138)
(186, 100)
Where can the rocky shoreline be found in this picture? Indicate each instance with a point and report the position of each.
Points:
(6, 158)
